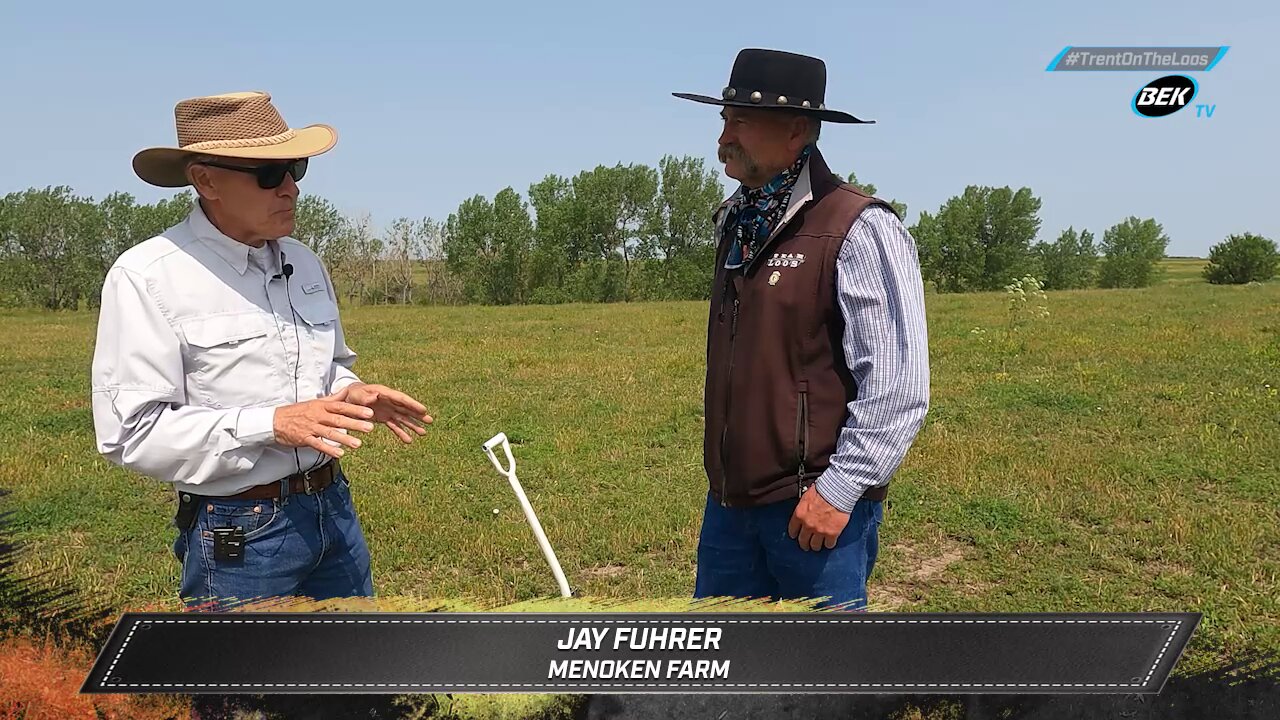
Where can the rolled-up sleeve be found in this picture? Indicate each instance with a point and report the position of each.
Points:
(881, 296)
(140, 416)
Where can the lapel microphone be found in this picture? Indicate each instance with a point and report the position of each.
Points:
(286, 270)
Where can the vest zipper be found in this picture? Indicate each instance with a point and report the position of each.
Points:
(728, 395)
(802, 431)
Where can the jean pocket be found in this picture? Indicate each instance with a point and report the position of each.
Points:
(180, 546)
(876, 519)
(253, 516)
(342, 485)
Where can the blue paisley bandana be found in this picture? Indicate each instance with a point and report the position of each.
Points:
(756, 212)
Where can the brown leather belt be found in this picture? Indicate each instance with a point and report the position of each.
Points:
(311, 481)
(876, 493)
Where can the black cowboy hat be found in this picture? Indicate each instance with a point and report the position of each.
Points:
(777, 79)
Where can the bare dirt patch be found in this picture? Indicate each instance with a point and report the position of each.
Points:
(605, 571)
(924, 567)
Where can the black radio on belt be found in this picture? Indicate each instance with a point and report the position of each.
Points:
(228, 543)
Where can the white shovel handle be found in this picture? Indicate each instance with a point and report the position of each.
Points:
(501, 439)
(547, 552)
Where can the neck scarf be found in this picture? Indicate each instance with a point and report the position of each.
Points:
(756, 212)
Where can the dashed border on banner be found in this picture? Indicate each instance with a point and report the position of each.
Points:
(1175, 626)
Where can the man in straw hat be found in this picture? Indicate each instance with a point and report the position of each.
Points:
(221, 366)
(817, 361)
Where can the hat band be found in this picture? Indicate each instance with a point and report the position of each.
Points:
(766, 99)
(242, 142)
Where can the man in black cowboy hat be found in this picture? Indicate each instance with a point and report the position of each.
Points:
(817, 359)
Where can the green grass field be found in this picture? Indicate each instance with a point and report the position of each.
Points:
(1125, 461)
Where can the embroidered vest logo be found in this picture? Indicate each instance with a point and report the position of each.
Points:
(786, 260)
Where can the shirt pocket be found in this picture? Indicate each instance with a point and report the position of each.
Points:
(228, 354)
(319, 316)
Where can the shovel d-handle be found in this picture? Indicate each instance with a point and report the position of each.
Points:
(495, 441)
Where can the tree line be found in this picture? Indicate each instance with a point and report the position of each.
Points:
(985, 238)
(612, 233)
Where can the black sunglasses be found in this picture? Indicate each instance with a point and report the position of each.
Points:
(269, 176)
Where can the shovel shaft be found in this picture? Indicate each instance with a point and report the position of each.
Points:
(541, 537)
(510, 473)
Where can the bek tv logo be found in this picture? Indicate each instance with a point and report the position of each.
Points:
(1164, 96)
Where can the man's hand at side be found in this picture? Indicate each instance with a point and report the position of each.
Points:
(310, 423)
(399, 412)
(815, 522)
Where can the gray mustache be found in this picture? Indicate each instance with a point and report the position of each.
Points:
(731, 152)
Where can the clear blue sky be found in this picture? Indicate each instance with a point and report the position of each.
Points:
(437, 102)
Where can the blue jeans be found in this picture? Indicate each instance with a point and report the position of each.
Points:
(747, 553)
(304, 545)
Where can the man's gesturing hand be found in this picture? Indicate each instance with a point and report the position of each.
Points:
(310, 423)
(816, 522)
(399, 412)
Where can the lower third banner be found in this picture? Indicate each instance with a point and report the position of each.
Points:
(816, 652)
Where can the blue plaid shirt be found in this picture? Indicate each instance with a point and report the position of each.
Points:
(886, 346)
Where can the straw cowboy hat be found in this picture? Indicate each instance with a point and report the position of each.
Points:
(233, 125)
(777, 79)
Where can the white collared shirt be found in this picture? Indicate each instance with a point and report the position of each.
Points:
(196, 348)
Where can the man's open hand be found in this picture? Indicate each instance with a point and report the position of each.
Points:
(399, 412)
(815, 522)
(310, 423)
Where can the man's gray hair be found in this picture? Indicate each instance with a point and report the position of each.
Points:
(196, 159)
(193, 160)
(815, 125)
(815, 129)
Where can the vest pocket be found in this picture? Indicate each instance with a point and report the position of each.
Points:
(802, 427)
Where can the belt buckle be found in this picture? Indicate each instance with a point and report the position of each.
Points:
(307, 487)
